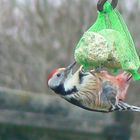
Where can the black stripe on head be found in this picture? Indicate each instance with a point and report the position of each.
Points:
(61, 90)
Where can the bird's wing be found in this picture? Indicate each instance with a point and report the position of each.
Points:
(108, 95)
(90, 91)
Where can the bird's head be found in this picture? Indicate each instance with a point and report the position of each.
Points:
(58, 76)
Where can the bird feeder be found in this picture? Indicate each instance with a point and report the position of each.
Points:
(108, 43)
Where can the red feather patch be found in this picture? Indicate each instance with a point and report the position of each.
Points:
(51, 74)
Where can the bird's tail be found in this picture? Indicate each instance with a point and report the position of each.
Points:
(121, 106)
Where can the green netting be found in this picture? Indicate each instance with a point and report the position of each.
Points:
(121, 53)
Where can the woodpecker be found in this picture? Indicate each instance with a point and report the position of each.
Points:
(92, 90)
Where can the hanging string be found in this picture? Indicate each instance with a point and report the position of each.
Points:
(101, 3)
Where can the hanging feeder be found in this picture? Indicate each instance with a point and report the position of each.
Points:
(108, 43)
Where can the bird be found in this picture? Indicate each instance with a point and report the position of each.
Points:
(92, 90)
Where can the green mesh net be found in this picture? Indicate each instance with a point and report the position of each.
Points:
(108, 43)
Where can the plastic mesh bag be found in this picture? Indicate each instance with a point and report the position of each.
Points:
(108, 43)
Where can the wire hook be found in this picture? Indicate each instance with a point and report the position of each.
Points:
(101, 3)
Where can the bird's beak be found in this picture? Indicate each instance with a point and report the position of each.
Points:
(68, 69)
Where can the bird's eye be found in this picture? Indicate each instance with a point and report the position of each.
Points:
(58, 75)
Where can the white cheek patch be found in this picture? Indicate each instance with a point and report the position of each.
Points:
(69, 83)
(52, 83)
(49, 83)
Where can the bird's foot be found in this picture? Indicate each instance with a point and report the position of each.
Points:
(98, 69)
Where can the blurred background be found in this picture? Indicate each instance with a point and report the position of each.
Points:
(37, 36)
